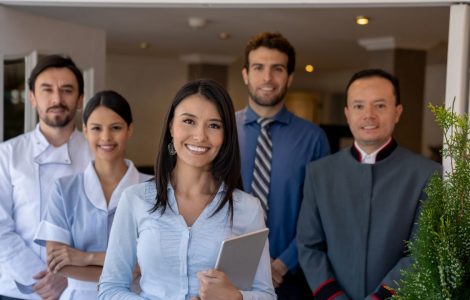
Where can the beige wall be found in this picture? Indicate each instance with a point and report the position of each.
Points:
(149, 85)
(22, 33)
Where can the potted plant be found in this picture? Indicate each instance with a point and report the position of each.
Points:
(440, 248)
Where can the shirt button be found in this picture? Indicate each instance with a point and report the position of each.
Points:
(67, 161)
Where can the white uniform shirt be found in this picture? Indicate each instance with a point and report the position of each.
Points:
(77, 215)
(29, 165)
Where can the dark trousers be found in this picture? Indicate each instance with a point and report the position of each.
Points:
(294, 287)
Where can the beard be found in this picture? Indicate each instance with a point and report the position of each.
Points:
(264, 101)
(58, 121)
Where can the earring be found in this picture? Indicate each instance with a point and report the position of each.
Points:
(171, 148)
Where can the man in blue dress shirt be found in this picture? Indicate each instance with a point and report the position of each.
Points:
(268, 73)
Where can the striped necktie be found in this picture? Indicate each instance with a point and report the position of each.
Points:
(262, 170)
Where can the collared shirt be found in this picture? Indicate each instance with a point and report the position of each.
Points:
(78, 215)
(170, 253)
(295, 143)
(370, 158)
(29, 166)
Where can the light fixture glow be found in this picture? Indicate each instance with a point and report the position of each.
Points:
(362, 20)
(144, 45)
(309, 68)
(224, 35)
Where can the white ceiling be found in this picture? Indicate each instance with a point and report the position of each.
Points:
(324, 37)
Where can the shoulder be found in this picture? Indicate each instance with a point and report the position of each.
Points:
(329, 160)
(240, 116)
(141, 194)
(19, 141)
(245, 205)
(419, 162)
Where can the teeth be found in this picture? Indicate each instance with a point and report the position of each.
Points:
(369, 127)
(197, 149)
(106, 147)
(267, 89)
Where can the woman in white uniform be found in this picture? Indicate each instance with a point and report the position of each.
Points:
(173, 227)
(81, 209)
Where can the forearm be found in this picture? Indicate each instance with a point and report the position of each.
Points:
(88, 273)
(95, 258)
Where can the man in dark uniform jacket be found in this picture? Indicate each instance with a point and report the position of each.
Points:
(361, 204)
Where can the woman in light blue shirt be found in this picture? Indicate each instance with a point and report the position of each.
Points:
(81, 209)
(173, 227)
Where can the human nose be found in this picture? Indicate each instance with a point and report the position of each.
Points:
(267, 75)
(55, 96)
(200, 133)
(105, 135)
(369, 111)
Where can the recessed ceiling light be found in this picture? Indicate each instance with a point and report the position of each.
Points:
(144, 45)
(197, 22)
(309, 68)
(362, 20)
(224, 35)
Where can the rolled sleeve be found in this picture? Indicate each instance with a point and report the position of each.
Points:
(50, 232)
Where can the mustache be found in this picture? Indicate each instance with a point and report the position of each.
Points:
(60, 106)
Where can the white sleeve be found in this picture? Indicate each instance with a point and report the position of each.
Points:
(18, 260)
(54, 226)
(121, 255)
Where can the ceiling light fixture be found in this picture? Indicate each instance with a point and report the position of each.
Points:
(197, 23)
(144, 45)
(309, 68)
(224, 35)
(362, 20)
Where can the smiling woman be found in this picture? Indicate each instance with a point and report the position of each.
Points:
(81, 209)
(174, 226)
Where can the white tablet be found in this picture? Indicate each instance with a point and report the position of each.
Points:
(239, 257)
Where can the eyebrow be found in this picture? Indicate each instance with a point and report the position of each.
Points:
(273, 65)
(67, 85)
(194, 116)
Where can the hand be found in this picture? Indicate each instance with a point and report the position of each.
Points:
(278, 270)
(49, 286)
(215, 285)
(61, 255)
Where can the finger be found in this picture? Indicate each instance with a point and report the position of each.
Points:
(40, 275)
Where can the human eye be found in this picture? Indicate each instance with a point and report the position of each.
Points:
(116, 127)
(95, 128)
(381, 105)
(257, 67)
(46, 89)
(358, 106)
(188, 121)
(279, 69)
(215, 125)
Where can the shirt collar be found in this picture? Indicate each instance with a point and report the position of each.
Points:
(94, 191)
(376, 156)
(282, 116)
(45, 153)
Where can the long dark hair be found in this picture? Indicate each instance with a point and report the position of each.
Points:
(225, 167)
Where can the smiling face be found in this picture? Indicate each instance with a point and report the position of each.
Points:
(372, 112)
(107, 134)
(267, 78)
(56, 97)
(197, 132)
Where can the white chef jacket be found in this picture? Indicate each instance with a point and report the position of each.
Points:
(29, 165)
